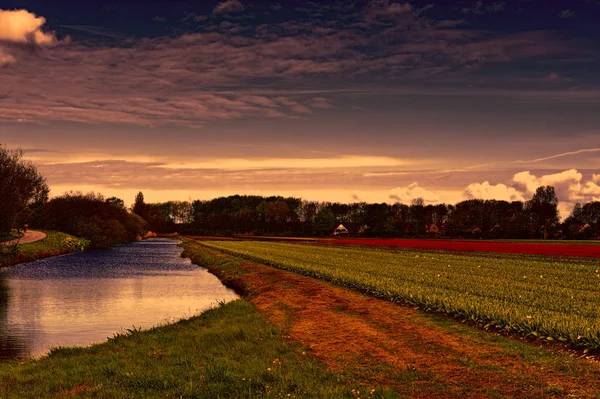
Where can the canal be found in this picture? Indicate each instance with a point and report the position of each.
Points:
(87, 297)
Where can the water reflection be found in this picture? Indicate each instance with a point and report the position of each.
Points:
(83, 298)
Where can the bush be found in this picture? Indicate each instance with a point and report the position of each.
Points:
(105, 223)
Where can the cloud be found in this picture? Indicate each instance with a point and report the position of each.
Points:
(320, 102)
(378, 11)
(228, 6)
(569, 186)
(406, 194)
(555, 77)
(299, 163)
(6, 58)
(23, 27)
(591, 189)
(448, 23)
(488, 191)
(566, 14)
(211, 173)
(480, 7)
(202, 76)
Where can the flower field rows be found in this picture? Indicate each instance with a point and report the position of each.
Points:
(562, 249)
(549, 299)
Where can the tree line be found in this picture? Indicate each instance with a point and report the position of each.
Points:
(474, 218)
(106, 222)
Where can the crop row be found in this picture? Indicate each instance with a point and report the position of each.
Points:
(549, 299)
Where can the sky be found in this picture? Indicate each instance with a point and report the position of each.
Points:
(376, 100)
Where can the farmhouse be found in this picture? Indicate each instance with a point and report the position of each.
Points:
(341, 231)
(433, 229)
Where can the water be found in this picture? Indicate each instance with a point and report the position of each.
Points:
(87, 297)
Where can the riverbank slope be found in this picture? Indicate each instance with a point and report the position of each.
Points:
(380, 343)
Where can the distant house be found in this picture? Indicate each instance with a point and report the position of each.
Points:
(433, 229)
(341, 231)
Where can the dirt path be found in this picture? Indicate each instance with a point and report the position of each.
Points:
(399, 347)
(29, 236)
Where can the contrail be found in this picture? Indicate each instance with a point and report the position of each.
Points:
(564, 154)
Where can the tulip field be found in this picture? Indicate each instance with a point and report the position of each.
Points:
(555, 299)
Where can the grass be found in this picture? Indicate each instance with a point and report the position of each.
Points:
(552, 299)
(227, 352)
(493, 365)
(55, 243)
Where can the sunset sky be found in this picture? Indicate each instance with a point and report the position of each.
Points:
(376, 101)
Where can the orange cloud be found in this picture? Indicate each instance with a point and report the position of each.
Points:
(489, 191)
(413, 191)
(23, 27)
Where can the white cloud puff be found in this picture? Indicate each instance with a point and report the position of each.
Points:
(489, 191)
(567, 184)
(23, 27)
(406, 194)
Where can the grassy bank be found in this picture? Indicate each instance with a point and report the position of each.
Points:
(411, 353)
(555, 300)
(55, 243)
(227, 352)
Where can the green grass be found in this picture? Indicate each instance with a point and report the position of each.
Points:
(55, 243)
(227, 352)
(554, 300)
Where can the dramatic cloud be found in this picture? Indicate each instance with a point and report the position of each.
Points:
(201, 76)
(488, 191)
(567, 184)
(23, 27)
(413, 191)
(229, 6)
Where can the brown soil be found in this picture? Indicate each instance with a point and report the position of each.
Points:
(384, 344)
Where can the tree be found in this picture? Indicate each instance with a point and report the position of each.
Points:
(139, 205)
(543, 209)
(324, 222)
(20, 185)
(90, 216)
(118, 202)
